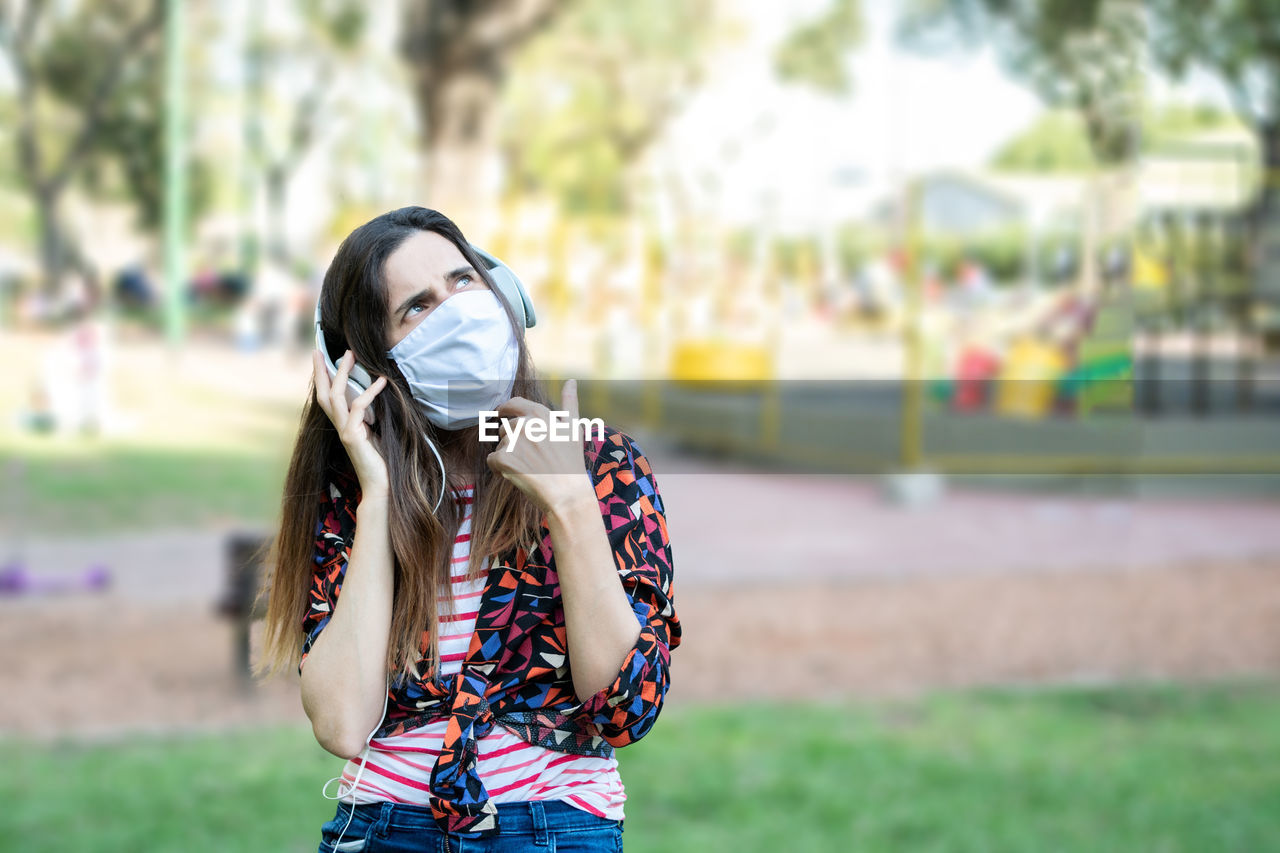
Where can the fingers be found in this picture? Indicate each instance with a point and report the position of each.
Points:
(509, 436)
(517, 406)
(360, 403)
(321, 378)
(337, 395)
(331, 392)
(338, 389)
(569, 399)
(500, 463)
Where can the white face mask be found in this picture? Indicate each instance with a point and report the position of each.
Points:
(461, 360)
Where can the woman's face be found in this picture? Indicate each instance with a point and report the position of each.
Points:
(423, 272)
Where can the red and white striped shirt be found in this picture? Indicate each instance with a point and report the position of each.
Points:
(398, 768)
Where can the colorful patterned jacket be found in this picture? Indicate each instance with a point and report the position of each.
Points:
(517, 670)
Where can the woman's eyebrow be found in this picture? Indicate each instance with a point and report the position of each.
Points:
(449, 277)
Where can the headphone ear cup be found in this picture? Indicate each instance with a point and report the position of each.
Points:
(512, 289)
(359, 376)
(358, 381)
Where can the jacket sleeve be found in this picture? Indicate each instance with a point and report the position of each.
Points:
(335, 529)
(637, 527)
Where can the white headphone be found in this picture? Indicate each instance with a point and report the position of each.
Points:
(358, 378)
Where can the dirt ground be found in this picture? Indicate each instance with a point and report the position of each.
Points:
(103, 667)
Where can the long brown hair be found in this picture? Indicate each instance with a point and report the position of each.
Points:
(353, 309)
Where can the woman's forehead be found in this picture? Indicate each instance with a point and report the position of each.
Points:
(423, 259)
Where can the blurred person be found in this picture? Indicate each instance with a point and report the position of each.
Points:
(302, 305)
(878, 287)
(133, 288)
(272, 300)
(71, 393)
(1063, 266)
(205, 283)
(932, 288)
(476, 658)
(1115, 265)
(973, 286)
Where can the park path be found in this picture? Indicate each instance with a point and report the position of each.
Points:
(730, 524)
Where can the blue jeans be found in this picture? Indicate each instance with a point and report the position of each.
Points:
(552, 826)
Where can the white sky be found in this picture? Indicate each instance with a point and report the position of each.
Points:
(906, 114)
(819, 156)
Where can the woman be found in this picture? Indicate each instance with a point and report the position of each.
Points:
(477, 658)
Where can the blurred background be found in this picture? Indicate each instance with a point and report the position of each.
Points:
(968, 311)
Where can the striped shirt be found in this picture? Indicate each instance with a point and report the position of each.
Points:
(398, 768)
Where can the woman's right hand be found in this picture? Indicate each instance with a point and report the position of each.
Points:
(356, 437)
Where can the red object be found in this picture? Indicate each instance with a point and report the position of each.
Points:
(975, 368)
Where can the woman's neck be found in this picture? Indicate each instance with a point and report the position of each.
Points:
(457, 468)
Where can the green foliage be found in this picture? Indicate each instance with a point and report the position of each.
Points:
(1055, 142)
(857, 244)
(1236, 41)
(815, 53)
(98, 107)
(1180, 120)
(1001, 251)
(341, 23)
(1084, 55)
(1058, 140)
(589, 95)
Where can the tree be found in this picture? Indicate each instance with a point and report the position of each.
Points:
(1084, 55)
(814, 53)
(330, 35)
(83, 102)
(1238, 41)
(593, 93)
(1056, 142)
(458, 53)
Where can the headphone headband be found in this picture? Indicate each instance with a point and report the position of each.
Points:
(510, 285)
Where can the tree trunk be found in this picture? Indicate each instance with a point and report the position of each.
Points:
(1265, 248)
(1087, 275)
(277, 197)
(51, 248)
(458, 53)
(461, 174)
(1269, 138)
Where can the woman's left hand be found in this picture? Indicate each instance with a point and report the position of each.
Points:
(550, 471)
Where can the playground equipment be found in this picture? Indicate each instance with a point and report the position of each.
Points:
(1210, 294)
(15, 581)
(1028, 380)
(16, 578)
(722, 394)
(720, 360)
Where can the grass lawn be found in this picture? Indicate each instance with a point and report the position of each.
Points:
(200, 450)
(120, 488)
(1090, 769)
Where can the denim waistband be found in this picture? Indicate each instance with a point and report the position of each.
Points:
(530, 816)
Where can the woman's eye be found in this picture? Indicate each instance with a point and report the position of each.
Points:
(459, 284)
(409, 313)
